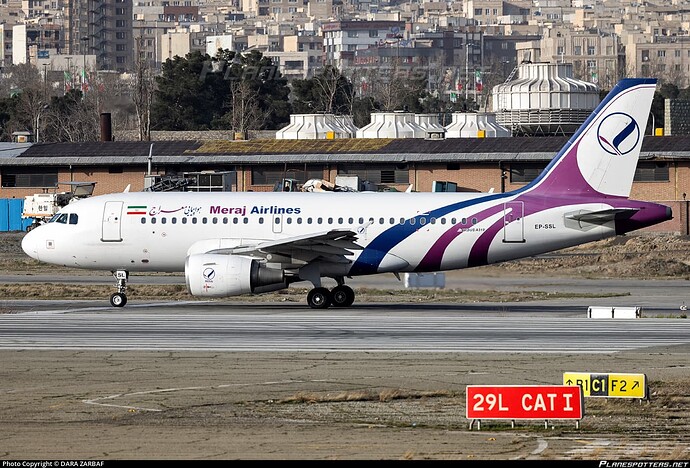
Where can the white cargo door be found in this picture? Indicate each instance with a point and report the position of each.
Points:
(112, 222)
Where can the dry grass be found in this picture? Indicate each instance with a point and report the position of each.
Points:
(385, 395)
(179, 292)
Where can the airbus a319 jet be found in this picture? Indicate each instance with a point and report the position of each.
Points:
(234, 243)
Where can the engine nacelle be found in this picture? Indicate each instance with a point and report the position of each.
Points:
(216, 275)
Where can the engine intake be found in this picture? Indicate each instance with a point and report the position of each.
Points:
(215, 275)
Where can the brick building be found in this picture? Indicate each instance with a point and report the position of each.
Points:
(479, 165)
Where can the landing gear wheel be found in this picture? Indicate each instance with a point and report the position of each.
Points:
(118, 299)
(342, 296)
(319, 298)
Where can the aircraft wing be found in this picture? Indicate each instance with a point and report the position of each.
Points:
(331, 246)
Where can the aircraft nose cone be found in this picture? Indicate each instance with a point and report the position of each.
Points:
(30, 245)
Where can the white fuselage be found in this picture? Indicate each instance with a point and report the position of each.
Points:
(397, 231)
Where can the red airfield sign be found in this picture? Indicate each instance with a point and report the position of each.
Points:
(525, 402)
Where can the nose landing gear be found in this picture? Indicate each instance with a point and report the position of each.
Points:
(119, 299)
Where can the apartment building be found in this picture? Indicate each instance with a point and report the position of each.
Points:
(102, 28)
(594, 54)
(666, 57)
(341, 39)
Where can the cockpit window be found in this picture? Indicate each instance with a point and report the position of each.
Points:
(65, 218)
(60, 218)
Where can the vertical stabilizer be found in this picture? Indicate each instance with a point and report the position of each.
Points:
(601, 158)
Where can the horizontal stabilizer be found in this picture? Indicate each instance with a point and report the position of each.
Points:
(603, 216)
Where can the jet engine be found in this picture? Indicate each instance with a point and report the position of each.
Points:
(216, 275)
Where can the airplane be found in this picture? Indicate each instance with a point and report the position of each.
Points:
(235, 243)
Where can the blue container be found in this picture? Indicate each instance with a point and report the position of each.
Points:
(11, 215)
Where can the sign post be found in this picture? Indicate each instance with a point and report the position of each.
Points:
(513, 402)
(608, 385)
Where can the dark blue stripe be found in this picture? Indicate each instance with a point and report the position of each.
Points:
(372, 255)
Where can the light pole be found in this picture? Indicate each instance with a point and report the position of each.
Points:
(45, 81)
(467, 71)
(85, 40)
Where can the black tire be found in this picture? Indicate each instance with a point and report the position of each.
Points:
(319, 298)
(118, 300)
(342, 296)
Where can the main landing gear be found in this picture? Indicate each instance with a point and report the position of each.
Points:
(322, 298)
(119, 299)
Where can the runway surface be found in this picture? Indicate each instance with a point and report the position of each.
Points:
(218, 326)
(235, 379)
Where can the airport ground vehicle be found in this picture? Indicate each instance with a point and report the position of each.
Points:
(40, 207)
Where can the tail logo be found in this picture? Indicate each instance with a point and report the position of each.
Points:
(618, 134)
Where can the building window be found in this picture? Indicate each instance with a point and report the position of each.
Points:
(651, 172)
(577, 50)
(352, 34)
(477, 12)
(525, 173)
(379, 174)
(661, 53)
(208, 182)
(270, 175)
(29, 178)
(373, 33)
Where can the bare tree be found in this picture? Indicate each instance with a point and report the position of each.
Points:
(391, 86)
(328, 82)
(24, 83)
(246, 112)
(73, 117)
(142, 95)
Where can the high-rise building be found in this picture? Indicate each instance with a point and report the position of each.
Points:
(102, 28)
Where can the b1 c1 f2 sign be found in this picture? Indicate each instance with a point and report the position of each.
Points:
(525, 402)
